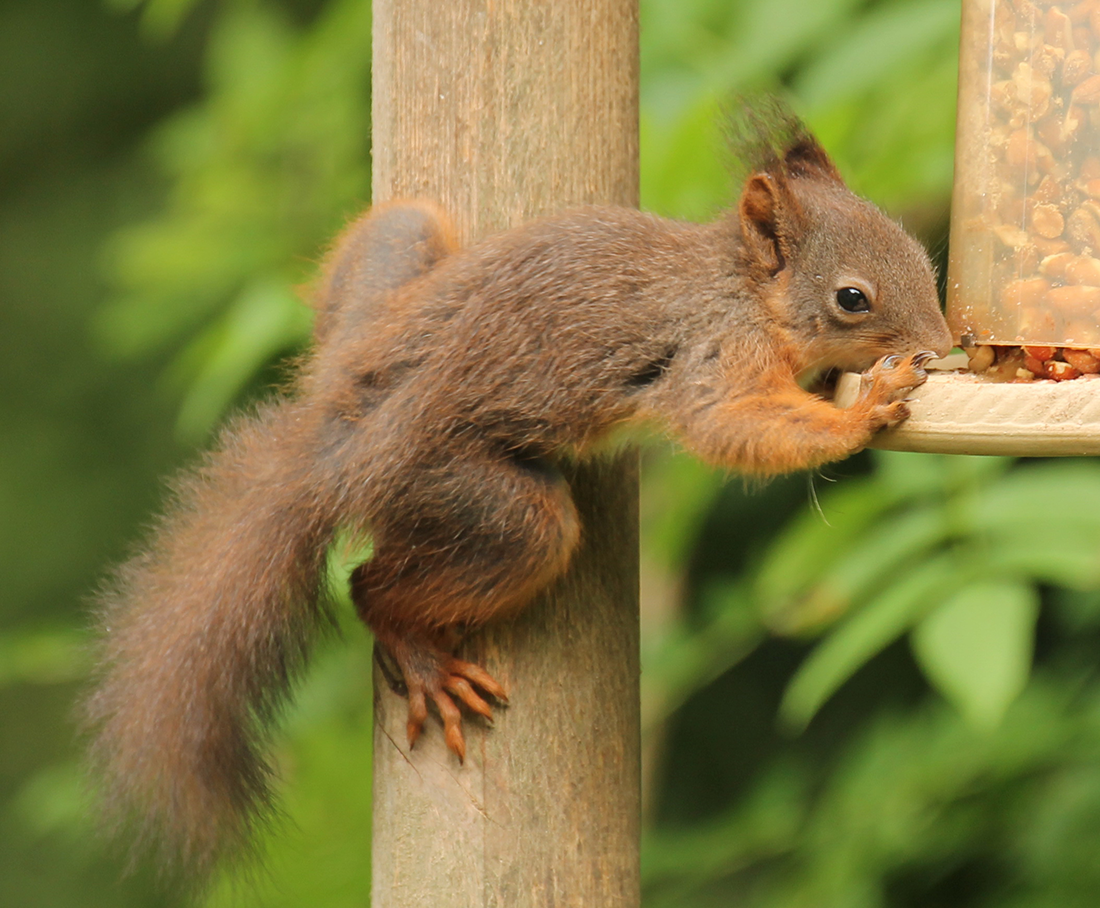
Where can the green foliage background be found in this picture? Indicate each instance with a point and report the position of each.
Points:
(876, 686)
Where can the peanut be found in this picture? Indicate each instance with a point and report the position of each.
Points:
(1084, 269)
(1061, 371)
(1030, 292)
(1042, 354)
(981, 358)
(1047, 221)
(1035, 366)
(1074, 297)
(1084, 229)
(1055, 266)
(1076, 66)
(1087, 92)
(1081, 360)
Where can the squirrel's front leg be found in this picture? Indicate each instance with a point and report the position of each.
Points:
(778, 427)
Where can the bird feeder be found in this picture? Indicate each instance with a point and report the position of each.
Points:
(1024, 272)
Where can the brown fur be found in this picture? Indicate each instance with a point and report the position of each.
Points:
(444, 390)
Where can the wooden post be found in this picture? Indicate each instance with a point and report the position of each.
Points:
(504, 110)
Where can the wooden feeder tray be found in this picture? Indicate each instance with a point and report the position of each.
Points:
(958, 412)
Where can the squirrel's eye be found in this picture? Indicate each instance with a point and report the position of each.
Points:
(852, 299)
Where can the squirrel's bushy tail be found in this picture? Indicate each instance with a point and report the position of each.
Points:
(202, 634)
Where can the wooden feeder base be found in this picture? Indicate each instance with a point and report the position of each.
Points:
(960, 413)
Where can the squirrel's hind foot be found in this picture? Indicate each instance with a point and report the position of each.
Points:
(430, 674)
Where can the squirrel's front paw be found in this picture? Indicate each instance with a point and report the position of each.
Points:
(885, 384)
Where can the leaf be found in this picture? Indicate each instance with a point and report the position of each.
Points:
(774, 33)
(806, 549)
(864, 634)
(53, 801)
(677, 492)
(687, 659)
(762, 826)
(922, 475)
(895, 140)
(1067, 559)
(683, 173)
(976, 647)
(314, 856)
(42, 657)
(888, 38)
(1044, 498)
(349, 549)
(862, 566)
(263, 321)
(161, 18)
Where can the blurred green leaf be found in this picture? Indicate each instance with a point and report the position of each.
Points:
(910, 475)
(809, 545)
(765, 826)
(690, 146)
(861, 566)
(864, 634)
(1067, 494)
(54, 801)
(676, 493)
(909, 799)
(893, 146)
(265, 320)
(264, 171)
(124, 6)
(163, 17)
(42, 657)
(160, 18)
(686, 659)
(890, 37)
(772, 35)
(1071, 560)
(318, 850)
(976, 647)
(813, 576)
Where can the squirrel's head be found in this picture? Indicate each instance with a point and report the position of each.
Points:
(848, 282)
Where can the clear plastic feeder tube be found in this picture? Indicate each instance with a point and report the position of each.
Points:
(1025, 223)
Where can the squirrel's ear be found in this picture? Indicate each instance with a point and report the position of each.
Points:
(760, 209)
(807, 159)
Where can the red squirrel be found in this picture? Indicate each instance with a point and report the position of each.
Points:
(444, 390)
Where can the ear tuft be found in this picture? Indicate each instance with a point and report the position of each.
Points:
(806, 158)
(778, 153)
(765, 136)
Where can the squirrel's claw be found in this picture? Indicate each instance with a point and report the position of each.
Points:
(462, 689)
(431, 674)
(418, 714)
(452, 724)
(894, 376)
(477, 675)
(886, 387)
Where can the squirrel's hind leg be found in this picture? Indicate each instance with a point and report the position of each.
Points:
(388, 246)
(469, 540)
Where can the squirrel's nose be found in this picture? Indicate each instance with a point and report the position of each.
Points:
(937, 336)
(946, 341)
